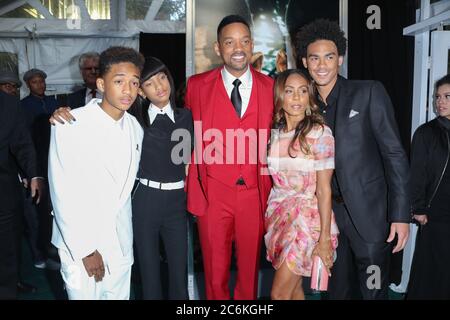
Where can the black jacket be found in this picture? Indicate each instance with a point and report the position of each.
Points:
(371, 164)
(16, 150)
(430, 154)
(77, 99)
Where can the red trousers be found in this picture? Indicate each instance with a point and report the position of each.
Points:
(233, 215)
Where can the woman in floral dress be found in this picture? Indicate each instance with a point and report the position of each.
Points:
(299, 221)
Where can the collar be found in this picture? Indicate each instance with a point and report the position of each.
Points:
(105, 119)
(246, 78)
(33, 96)
(88, 91)
(153, 111)
(332, 97)
(444, 122)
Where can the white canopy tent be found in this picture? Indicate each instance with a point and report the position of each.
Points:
(51, 35)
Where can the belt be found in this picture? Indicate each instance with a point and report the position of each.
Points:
(161, 185)
(338, 198)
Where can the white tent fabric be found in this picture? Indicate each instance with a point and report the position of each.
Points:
(16, 46)
(58, 57)
(88, 27)
(54, 44)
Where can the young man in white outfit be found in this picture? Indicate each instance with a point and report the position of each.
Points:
(92, 168)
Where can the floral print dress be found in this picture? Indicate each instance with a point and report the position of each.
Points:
(292, 219)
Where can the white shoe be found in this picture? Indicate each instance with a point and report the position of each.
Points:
(40, 264)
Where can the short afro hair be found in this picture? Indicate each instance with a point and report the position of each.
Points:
(232, 18)
(320, 29)
(116, 55)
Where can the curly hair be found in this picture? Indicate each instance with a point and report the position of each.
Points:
(304, 126)
(116, 55)
(320, 29)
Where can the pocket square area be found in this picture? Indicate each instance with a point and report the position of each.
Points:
(353, 113)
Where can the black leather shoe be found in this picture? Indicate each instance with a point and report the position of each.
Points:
(23, 287)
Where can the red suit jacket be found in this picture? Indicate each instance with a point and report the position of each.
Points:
(199, 94)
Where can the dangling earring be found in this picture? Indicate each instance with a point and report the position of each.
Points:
(308, 111)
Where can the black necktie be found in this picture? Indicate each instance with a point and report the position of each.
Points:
(236, 97)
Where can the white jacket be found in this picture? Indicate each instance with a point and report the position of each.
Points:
(91, 209)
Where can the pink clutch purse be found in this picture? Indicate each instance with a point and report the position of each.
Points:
(319, 275)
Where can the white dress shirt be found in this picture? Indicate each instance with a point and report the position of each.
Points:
(245, 89)
(88, 95)
(118, 141)
(153, 111)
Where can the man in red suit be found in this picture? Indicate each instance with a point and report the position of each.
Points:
(227, 185)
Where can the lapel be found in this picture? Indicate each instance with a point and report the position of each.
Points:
(80, 97)
(257, 85)
(176, 115)
(134, 149)
(101, 136)
(343, 108)
(119, 191)
(259, 93)
(207, 99)
(264, 98)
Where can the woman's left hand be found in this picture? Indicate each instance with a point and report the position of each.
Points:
(324, 250)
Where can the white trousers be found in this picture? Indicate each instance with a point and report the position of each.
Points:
(79, 286)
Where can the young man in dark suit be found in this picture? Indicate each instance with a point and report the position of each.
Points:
(370, 184)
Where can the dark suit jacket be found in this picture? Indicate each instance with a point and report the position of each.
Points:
(371, 164)
(77, 99)
(16, 150)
